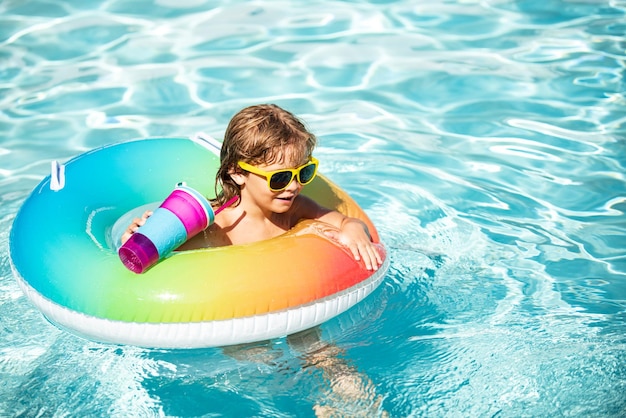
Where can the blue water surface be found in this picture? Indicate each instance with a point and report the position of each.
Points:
(486, 140)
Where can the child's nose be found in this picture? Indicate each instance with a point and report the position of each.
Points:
(294, 185)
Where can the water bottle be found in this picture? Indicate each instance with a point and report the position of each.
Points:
(183, 214)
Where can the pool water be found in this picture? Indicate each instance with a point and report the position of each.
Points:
(485, 139)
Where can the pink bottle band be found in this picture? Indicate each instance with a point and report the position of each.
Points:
(190, 210)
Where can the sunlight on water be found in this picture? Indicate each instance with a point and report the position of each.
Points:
(485, 139)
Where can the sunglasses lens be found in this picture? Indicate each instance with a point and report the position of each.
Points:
(280, 180)
(307, 174)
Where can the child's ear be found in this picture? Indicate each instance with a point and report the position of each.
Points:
(237, 175)
(238, 178)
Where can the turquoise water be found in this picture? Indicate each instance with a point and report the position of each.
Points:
(484, 138)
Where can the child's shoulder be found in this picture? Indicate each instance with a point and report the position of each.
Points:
(306, 208)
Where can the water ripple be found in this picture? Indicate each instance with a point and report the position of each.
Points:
(484, 139)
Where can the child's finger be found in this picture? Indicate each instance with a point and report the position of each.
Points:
(373, 256)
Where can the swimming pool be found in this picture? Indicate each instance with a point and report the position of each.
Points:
(485, 139)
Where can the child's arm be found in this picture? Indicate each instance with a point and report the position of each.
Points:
(351, 232)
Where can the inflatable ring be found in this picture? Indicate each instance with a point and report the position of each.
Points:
(63, 253)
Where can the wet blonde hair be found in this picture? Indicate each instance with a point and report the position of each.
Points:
(261, 134)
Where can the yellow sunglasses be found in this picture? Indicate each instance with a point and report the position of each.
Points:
(278, 180)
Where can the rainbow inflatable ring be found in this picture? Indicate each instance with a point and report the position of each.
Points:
(63, 251)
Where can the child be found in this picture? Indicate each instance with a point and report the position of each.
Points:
(266, 159)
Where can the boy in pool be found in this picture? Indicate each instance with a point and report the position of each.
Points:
(266, 159)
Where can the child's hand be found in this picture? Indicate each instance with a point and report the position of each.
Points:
(137, 222)
(353, 234)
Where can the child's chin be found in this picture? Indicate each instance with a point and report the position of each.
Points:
(281, 206)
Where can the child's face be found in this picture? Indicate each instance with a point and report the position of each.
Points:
(257, 190)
